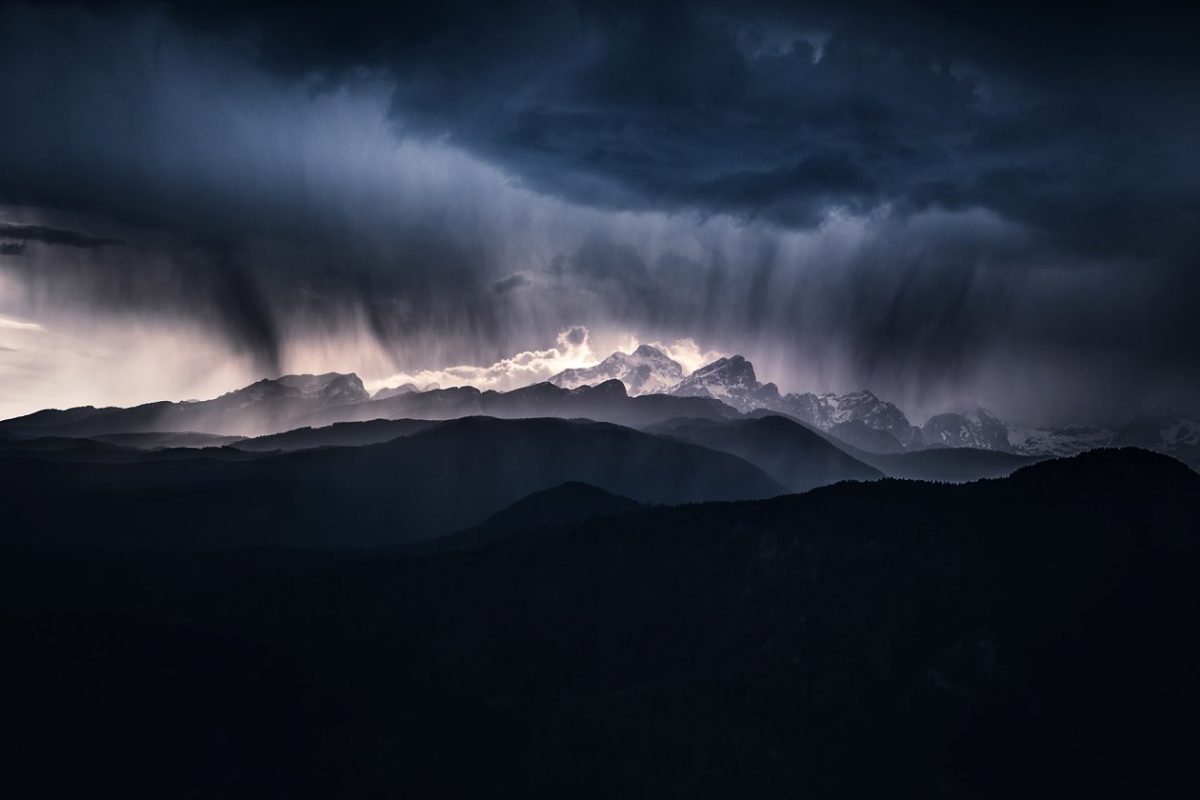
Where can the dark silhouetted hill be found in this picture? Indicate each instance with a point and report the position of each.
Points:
(571, 502)
(1028, 635)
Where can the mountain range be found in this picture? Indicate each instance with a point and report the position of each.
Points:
(639, 389)
(712, 589)
(647, 370)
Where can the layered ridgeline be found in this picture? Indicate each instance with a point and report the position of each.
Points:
(639, 389)
(884, 639)
(423, 483)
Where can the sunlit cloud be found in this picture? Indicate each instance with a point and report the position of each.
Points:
(19, 325)
(572, 349)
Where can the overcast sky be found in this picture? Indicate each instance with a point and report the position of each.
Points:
(946, 204)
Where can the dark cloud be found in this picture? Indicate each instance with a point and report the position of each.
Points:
(52, 236)
(917, 190)
(12, 248)
(1053, 114)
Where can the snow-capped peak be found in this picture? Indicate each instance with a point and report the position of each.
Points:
(732, 381)
(828, 410)
(978, 429)
(331, 387)
(644, 371)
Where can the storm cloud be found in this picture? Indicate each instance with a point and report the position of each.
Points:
(946, 205)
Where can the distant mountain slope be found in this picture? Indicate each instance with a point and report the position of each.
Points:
(859, 434)
(1165, 430)
(979, 429)
(786, 450)
(644, 371)
(439, 480)
(883, 639)
(1064, 441)
(851, 413)
(263, 407)
(160, 440)
(340, 434)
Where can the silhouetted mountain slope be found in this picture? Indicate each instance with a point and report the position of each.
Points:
(569, 503)
(100, 450)
(159, 440)
(339, 434)
(1034, 634)
(263, 407)
(872, 440)
(443, 479)
(953, 464)
(787, 451)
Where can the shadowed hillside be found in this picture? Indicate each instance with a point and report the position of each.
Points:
(794, 455)
(447, 477)
(881, 639)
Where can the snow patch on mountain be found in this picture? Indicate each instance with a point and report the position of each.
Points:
(979, 429)
(1066, 441)
(328, 389)
(828, 410)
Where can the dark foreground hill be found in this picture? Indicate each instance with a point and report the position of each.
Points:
(1033, 635)
(558, 507)
(441, 479)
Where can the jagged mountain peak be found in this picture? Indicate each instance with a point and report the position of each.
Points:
(978, 429)
(646, 370)
(329, 387)
(395, 391)
(733, 369)
(828, 410)
(732, 381)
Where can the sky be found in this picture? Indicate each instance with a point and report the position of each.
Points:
(947, 204)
